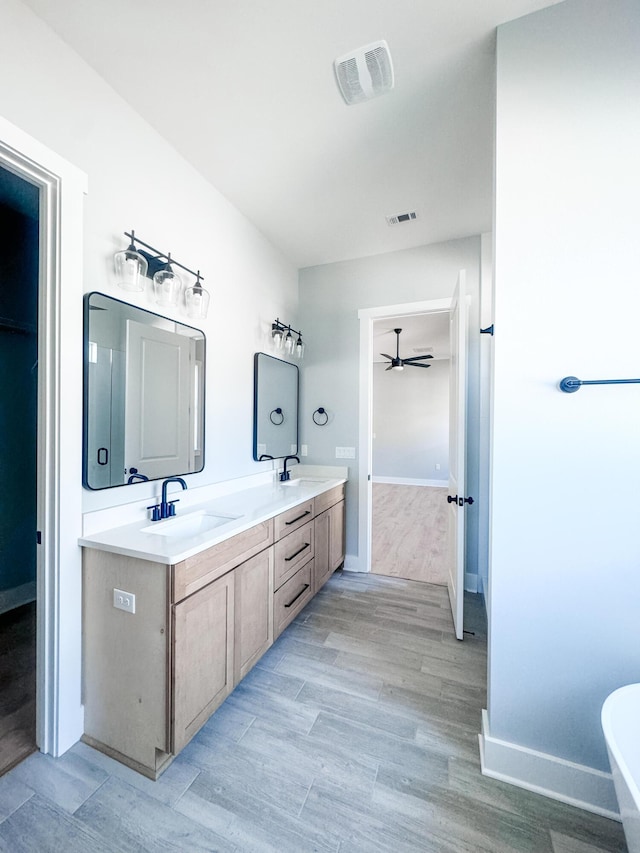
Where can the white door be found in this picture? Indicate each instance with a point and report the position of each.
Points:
(158, 401)
(457, 443)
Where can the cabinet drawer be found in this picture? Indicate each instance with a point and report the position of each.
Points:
(294, 518)
(327, 499)
(292, 552)
(195, 572)
(289, 600)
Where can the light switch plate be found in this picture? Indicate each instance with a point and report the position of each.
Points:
(345, 453)
(124, 600)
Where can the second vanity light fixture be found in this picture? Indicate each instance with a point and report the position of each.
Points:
(283, 339)
(134, 264)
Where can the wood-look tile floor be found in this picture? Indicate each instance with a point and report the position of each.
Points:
(356, 733)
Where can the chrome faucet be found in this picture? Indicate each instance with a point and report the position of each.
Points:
(166, 509)
(286, 475)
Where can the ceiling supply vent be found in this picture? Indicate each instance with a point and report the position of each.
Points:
(365, 73)
(401, 217)
(422, 349)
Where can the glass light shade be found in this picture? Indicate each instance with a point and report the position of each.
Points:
(288, 343)
(298, 350)
(131, 268)
(398, 367)
(167, 285)
(197, 301)
(277, 333)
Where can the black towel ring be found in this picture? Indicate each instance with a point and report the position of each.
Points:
(277, 411)
(320, 411)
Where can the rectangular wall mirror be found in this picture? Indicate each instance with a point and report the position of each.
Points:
(275, 407)
(144, 381)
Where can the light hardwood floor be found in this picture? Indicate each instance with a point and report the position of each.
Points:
(356, 733)
(409, 532)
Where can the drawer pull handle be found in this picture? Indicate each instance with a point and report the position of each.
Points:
(293, 521)
(299, 551)
(302, 591)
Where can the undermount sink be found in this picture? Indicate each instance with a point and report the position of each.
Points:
(189, 525)
(304, 481)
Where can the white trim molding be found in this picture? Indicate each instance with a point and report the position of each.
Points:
(556, 778)
(470, 582)
(409, 481)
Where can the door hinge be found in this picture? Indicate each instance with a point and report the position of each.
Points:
(38, 537)
(487, 331)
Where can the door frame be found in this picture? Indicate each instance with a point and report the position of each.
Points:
(62, 187)
(367, 316)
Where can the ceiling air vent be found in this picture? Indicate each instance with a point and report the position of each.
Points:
(365, 73)
(402, 217)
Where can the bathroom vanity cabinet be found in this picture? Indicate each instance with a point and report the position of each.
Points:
(152, 678)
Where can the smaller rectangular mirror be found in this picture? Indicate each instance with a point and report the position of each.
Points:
(144, 381)
(275, 407)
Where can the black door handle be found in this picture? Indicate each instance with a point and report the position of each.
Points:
(460, 501)
(468, 501)
(452, 500)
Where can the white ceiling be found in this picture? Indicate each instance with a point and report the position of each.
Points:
(245, 90)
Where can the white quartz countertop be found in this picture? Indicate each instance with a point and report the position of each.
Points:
(247, 508)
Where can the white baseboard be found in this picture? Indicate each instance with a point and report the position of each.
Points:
(17, 596)
(352, 563)
(407, 481)
(548, 775)
(470, 582)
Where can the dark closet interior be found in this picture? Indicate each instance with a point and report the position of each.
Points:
(19, 225)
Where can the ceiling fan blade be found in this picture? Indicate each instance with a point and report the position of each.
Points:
(416, 358)
(390, 357)
(415, 364)
(389, 368)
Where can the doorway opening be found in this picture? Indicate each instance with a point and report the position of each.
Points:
(410, 447)
(19, 272)
(456, 310)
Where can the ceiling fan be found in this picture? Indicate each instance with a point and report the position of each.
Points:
(398, 363)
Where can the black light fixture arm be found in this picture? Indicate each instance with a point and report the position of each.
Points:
(285, 327)
(132, 236)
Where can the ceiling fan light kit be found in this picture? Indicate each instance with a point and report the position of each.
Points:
(398, 363)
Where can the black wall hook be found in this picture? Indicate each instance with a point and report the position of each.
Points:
(322, 412)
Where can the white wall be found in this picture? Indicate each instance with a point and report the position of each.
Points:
(565, 579)
(330, 297)
(137, 180)
(411, 422)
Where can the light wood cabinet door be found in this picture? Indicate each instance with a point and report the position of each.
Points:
(253, 612)
(203, 633)
(321, 568)
(336, 538)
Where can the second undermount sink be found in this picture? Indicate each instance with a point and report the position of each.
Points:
(192, 524)
(304, 481)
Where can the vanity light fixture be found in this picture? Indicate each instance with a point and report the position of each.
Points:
(283, 338)
(133, 264)
(131, 267)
